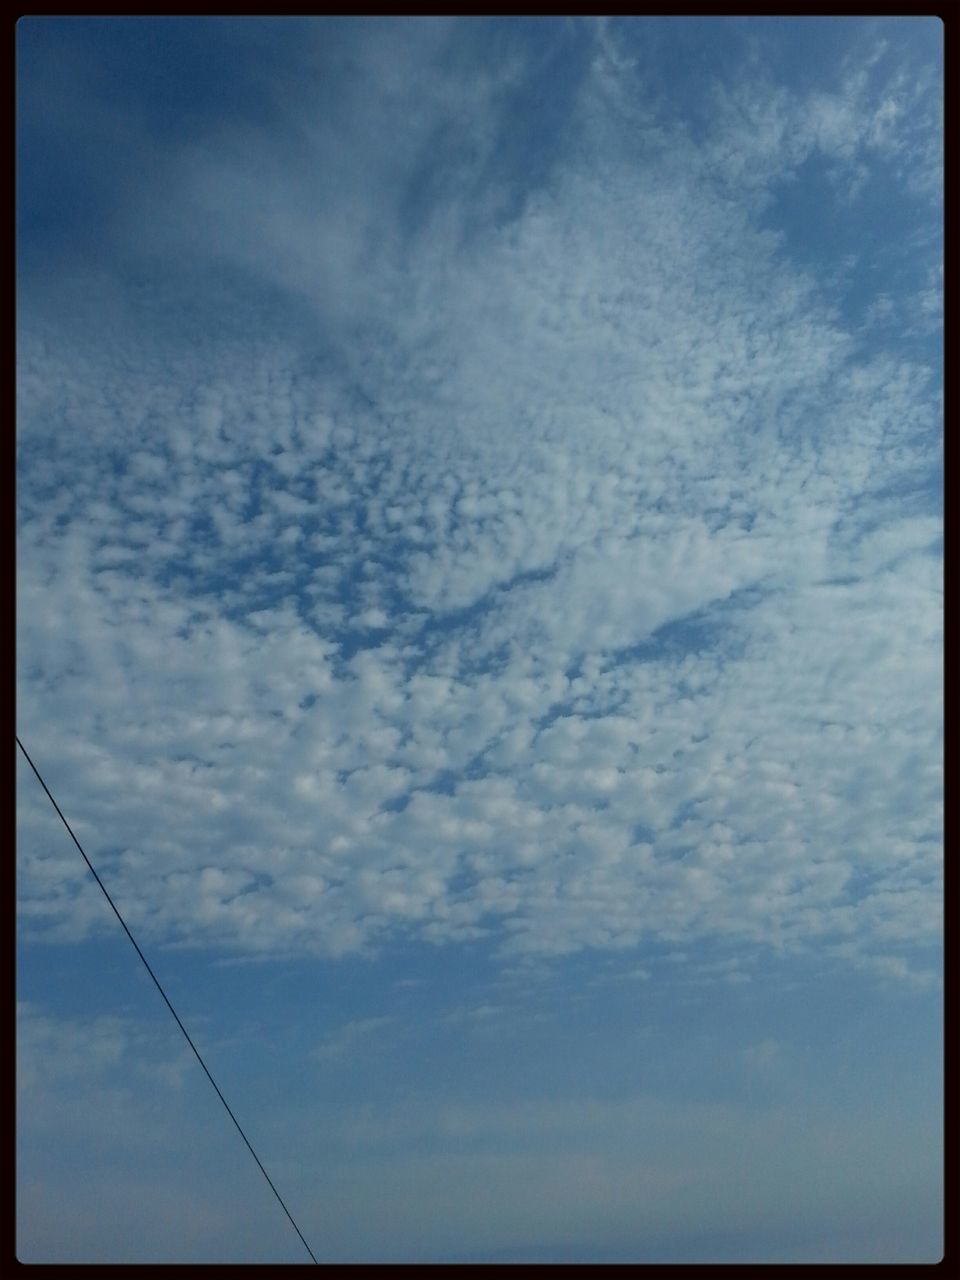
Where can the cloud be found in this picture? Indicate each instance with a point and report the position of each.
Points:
(762, 1056)
(386, 570)
(346, 1039)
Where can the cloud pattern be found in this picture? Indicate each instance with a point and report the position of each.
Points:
(553, 563)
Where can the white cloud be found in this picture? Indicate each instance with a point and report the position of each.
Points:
(602, 493)
(351, 1036)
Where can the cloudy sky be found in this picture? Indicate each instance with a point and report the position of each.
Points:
(479, 607)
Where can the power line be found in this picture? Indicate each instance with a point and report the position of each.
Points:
(166, 1001)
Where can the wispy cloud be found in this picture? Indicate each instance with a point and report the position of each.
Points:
(351, 1035)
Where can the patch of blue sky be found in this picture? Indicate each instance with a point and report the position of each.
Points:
(710, 1000)
(873, 245)
(533, 143)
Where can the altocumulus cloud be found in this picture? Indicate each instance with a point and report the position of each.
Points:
(415, 544)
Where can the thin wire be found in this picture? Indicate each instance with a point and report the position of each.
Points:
(166, 1001)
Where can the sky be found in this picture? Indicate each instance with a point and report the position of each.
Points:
(480, 609)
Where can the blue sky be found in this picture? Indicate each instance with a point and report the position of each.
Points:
(479, 606)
